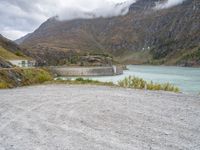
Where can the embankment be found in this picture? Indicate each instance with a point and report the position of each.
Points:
(15, 77)
(87, 71)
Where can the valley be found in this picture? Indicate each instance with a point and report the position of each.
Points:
(142, 36)
(100, 75)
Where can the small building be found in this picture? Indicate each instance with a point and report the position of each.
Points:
(23, 63)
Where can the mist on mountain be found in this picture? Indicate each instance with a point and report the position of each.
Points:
(26, 16)
(168, 4)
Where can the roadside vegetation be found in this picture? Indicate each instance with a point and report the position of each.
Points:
(10, 78)
(84, 81)
(15, 77)
(4, 85)
(138, 83)
(128, 82)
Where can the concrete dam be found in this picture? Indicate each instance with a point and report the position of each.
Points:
(87, 71)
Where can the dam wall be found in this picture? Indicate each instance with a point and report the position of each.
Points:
(87, 71)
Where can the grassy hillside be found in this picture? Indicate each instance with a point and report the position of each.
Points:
(10, 51)
(9, 55)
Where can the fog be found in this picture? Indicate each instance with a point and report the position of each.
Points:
(168, 4)
(19, 17)
(103, 8)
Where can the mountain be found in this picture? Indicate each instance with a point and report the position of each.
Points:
(21, 40)
(143, 35)
(9, 51)
(9, 45)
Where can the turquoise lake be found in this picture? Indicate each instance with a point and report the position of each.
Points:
(187, 79)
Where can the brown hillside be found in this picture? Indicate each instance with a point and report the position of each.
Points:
(159, 34)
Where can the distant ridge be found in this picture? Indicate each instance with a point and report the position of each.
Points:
(144, 35)
(21, 40)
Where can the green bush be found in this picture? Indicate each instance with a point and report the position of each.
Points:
(18, 53)
(138, 83)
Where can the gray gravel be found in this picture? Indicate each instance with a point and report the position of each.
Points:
(62, 117)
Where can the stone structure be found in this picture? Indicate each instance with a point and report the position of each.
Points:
(23, 63)
(87, 71)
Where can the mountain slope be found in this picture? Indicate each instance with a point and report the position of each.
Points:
(160, 36)
(9, 55)
(9, 45)
(5, 64)
(21, 40)
(9, 51)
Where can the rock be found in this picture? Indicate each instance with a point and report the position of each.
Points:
(5, 64)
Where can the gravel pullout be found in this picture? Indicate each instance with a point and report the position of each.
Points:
(76, 117)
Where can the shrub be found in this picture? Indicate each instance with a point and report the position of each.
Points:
(43, 76)
(132, 82)
(18, 53)
(79, 79)
(36, 76)
(138, 83)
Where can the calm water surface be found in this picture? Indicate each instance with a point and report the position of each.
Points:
(187, 79)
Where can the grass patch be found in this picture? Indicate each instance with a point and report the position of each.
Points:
(138, 83)
(8, 55)
(15, 77)
(84, 81)
(128, 82)
(4, 85)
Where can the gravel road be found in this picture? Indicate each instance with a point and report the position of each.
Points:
(77, 117)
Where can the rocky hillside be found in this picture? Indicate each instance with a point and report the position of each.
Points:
(5, 64)
(144, 35)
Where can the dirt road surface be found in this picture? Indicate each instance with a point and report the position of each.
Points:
(77, 117)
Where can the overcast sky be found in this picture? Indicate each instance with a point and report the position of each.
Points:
(19, 17)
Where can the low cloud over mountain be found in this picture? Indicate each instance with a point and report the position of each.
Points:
(168, 4)
(19, 17)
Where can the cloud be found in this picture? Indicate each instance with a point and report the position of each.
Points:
(19, 17)
(12, 34)
(168, 4)
(103, 8)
